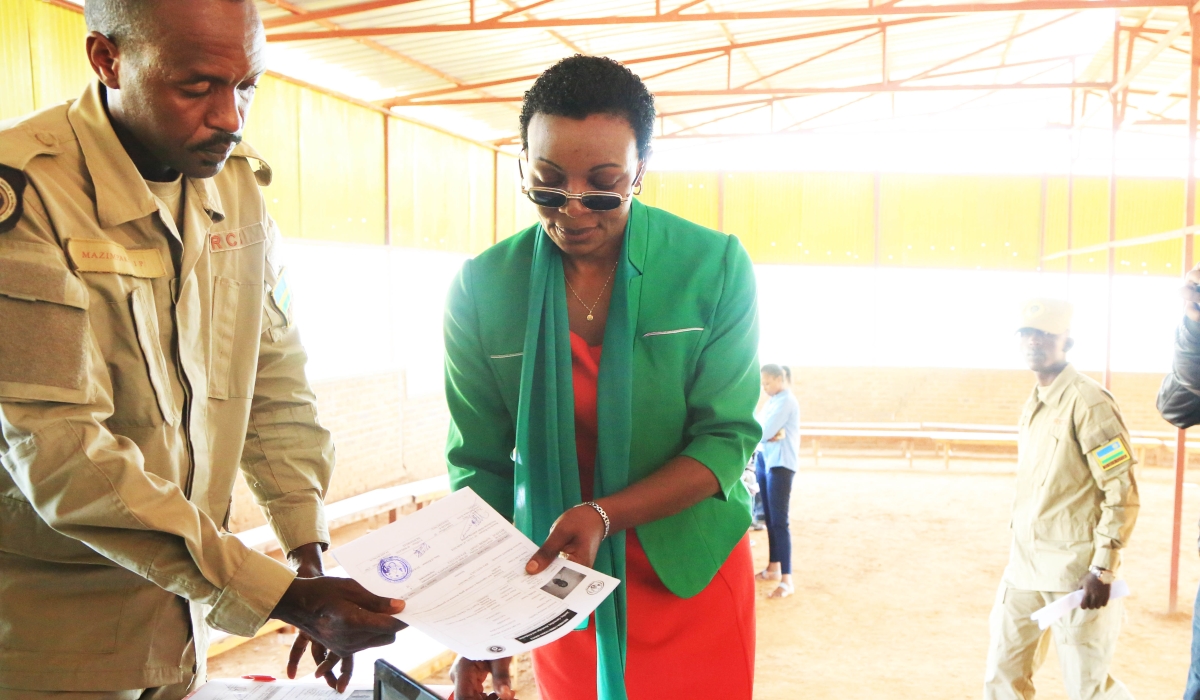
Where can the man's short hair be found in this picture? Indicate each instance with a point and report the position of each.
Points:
(122, 21)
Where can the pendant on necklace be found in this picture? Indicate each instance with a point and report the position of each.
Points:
(589, 317)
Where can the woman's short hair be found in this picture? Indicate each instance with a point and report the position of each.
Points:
(580, 86)
(778, 371)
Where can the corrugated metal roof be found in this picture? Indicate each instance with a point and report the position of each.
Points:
(964, 49)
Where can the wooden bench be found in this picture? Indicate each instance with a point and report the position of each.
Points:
(358, 508)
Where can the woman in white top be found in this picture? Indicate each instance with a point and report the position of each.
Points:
(775, 465)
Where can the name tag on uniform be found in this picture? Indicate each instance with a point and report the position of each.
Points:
(91, 255)
(1112, 454)
(239, 238)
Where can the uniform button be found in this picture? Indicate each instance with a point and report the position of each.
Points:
(46, 138)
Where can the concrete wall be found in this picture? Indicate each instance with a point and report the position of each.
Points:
(383, 437)
(982, 396)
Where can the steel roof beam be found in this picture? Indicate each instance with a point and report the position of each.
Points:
(713, 108)
(810, 59)
(331, 13)
(716, 50)
(1160, 46)
(1018, 64)
(369, 43)
(930, 71)
(811, 13)
(784, 92)
(714, 120)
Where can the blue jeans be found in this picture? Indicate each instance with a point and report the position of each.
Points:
(1193, 682)
(775, 485)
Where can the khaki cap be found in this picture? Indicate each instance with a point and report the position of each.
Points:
(1047, 315)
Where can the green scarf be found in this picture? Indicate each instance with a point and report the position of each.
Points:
(547, 471)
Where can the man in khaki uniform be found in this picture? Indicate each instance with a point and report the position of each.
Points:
(1075, 507)
(146, 350)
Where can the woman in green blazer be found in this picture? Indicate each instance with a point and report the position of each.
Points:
(658, 433)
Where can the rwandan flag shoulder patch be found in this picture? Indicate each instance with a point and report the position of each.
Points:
(1112, 454)
(281, 294)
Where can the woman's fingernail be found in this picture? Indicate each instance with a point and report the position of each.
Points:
(531, 567)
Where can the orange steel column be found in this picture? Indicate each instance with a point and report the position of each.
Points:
(1189, 219)
(1112, 206)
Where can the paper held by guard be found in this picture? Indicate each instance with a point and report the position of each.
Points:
(460, 568)
(1055, 611)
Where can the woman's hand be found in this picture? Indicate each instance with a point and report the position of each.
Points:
(577, 533)
(468, 677)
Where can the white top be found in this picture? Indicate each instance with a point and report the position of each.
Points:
(170, 196)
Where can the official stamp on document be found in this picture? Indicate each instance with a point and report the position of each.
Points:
(394, 569)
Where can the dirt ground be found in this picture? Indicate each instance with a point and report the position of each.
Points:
(896, 572)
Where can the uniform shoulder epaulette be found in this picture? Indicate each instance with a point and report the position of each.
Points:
(21, 141)
(262, 169)
(39, 134)
(1091, 391)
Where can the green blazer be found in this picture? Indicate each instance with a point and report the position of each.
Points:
(695, 384)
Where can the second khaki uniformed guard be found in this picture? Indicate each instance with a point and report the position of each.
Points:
(1075, 507)
(146, 350)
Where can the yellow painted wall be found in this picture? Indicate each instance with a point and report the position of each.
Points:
(442, 190)
(955, 221)
(42, 61)
(341, 170)
(56, 40)
(273, 129)
(958, 221)
(690, 195)
(514, 211)
(802, 218)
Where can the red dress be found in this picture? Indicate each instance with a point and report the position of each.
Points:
(678, 648)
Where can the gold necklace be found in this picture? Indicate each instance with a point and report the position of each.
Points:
(597, 302)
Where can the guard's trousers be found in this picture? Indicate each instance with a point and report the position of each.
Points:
(1084, 641)
(166, 692)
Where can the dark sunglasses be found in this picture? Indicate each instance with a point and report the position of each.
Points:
(557, 199)
(554, 198)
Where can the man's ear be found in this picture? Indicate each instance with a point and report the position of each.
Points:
(105, 58)
(1068, 345)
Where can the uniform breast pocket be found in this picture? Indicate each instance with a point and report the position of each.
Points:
(237, 259)
(131, 341)
(226, 298)
(1048, 458)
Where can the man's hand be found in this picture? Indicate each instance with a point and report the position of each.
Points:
(1191, 297)
(1095, 593)
(577, 533)
(339, 617)
(306, 560)
(468, 677)
(779, 436)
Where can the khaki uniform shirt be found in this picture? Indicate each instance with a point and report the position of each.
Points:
(140, 364)
(1076, 499)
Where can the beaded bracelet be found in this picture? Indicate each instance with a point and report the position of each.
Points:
(603, 516)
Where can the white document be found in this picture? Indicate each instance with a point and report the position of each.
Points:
(242, 689)
(1055, 611)
(459, 566)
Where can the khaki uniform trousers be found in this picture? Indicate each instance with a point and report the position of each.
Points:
(166, 692)
(1084, 640)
